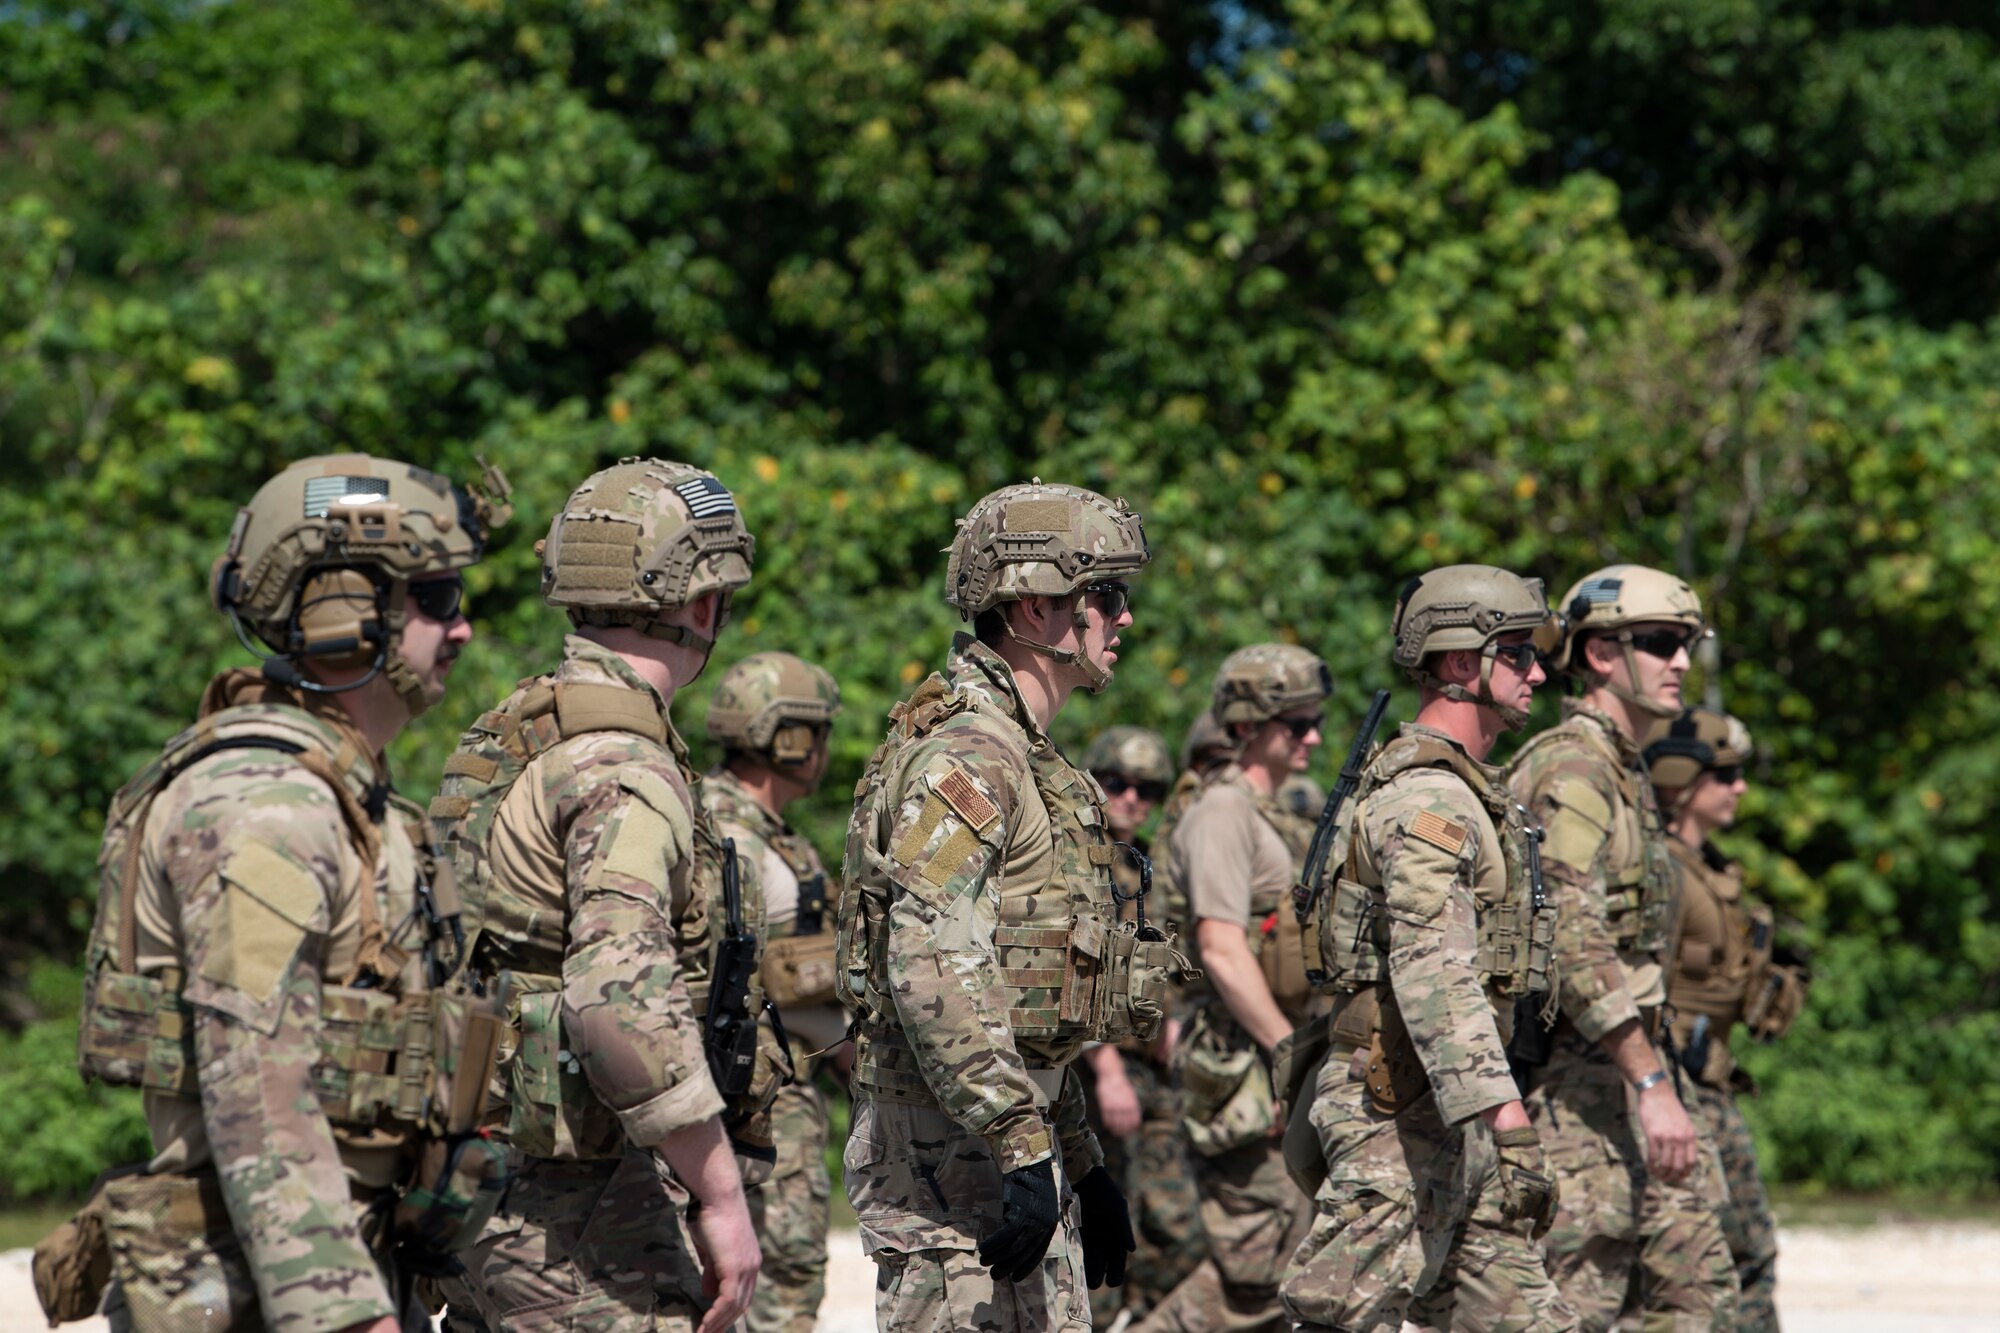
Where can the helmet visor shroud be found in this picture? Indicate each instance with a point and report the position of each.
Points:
(1469, 608)
(319, 563)
(1607, 604)
(1047, 540)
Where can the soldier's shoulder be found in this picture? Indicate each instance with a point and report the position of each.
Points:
(583, 765)
(993, 746)
(1567, 747)
(1433, 798)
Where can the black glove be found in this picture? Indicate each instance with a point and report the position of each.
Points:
(1107, 1229)
(1029, 1214)
(1524, 1176)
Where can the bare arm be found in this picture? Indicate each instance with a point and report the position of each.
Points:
(1670, 1143)
(1233, 970)
(730, 1256)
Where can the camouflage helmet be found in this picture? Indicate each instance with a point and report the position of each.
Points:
(1680, 749)
(1131, 752)
(1257, 683)
(642, 537)
(1207, 744)
(1469, 608)
(319, 562)
(772, 705)
(1043, 540)
(1608, 603)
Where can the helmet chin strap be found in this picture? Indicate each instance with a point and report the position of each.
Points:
(1515, 719)
(1095, 677)
(1632, 694)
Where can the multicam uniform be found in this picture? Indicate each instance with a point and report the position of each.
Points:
(1235, 855)
(1608, 871)
(791, 1209)
(1430, 936)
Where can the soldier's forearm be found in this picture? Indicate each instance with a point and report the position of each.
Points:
(1233, 971)
(1631, 1050)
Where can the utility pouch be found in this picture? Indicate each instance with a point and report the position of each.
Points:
(1281, 957)
(175, 1256)
(72, 1264)
(137, 1031)
(1226, 1098)
(459, 1184)
(1353, 937)
(361, 1038)
(1776, 1003)
(1051, 974)
(1139, 976)
(799, 969)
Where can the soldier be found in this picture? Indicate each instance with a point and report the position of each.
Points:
(259, 941)
(1205, 749)
(979, 944)
(585, 862)
(1129, 1088)
(1626, 1156)
(1723, 974)
(1434, 1188)
(772, 715)
(1236, 853)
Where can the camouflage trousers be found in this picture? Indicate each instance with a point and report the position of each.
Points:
(1410, 1224)
(1253, 1217)
(1152, 1170)
(587, 1247)
(924, 1190)
(790, 1213)
(1617, 1223)
(1747, 1223)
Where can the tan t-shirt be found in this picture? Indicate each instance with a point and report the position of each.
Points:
(1232, 863)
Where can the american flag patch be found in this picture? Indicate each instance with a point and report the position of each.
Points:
(1599, 591)
(322, 493)
(1439, 832)
(706, 497)
(964, 796)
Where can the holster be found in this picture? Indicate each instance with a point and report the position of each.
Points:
(1295, 1070)
(1396, 1076)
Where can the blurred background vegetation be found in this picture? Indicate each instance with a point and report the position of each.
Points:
(1332, 290)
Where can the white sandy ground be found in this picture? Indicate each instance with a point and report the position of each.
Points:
(1900, 1278)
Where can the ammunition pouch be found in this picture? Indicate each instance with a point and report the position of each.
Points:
(72, 1264)
(1226, 1095)
(1139, 982)
(1639, 906)
(1516, 949)
(175, 1256)
(1775, 1003)
(137, 1031)
(459, 1185)
(799, 969)
(1086, 981)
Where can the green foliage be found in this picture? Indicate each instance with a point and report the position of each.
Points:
(61, 1133)
(1271, 281)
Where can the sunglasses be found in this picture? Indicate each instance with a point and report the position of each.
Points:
(1727, 774)
(1520, 656)
(1117, 784)
(439, 599)
(1112, 600)
(1661, 643)
(1302, 727)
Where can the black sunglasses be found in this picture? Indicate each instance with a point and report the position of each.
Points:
(1520, 656)
(1301, 727)
(1110, 599)
(1727, 774)
(1116, 784)
(439, 599)
(1661, 643)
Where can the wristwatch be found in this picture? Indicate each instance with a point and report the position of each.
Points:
(1654, 1079)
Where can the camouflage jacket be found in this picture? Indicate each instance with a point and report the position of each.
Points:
(1606, 863)
(978, 826)
(1427, 841)
(250, 888)
(583, 876)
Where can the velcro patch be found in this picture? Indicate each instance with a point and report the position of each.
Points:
(950, 855)
(1439, 832)
(959, 791)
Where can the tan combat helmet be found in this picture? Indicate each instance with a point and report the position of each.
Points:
(1257, 683)
(1680, 749)
(643, 537)
(1465, 607)
(1207, 744)
(1133, 753)
(1044, 540)
(773, 707)
(319, 562)
(1611, 601)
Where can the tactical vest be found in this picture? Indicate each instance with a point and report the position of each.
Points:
(1273, 935)
(1723, 971)
(798, 957)
(1639, 891)
(552, 1110)
(1346, 933)
(1071, 972)
(385, 1057)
